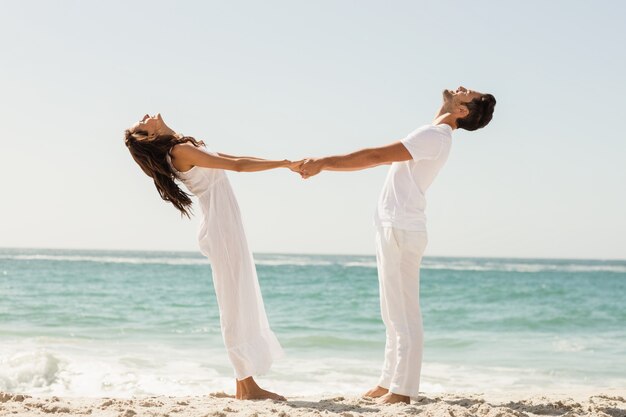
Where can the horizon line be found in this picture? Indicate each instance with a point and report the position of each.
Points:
(314, 253)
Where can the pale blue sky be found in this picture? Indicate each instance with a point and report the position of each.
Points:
(289, 79)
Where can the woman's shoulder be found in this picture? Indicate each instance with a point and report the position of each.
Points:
(186, 150)
(183, 156)
(180, 148)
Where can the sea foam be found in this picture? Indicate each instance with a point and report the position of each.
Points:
(434, 263)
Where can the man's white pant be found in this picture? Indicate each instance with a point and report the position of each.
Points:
(399, 254)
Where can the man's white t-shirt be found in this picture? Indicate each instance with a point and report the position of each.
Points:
(402, 201)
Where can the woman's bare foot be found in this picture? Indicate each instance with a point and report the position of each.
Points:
(247, 389)
(391, 398)
(376, 392)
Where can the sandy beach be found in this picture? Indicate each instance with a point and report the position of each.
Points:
(610, 403)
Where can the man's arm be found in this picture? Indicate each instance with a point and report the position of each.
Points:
(365, 158)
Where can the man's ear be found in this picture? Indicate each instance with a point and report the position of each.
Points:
(462, 111)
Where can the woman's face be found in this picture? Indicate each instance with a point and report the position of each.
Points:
(153, 126)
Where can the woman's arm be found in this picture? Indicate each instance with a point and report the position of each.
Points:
(187, 155)
(225, 155)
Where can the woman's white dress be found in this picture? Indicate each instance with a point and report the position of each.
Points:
(251, 344)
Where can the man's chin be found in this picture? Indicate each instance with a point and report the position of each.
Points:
(447, 94)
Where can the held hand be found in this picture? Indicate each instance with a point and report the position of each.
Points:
(310, 167)
(295, 165)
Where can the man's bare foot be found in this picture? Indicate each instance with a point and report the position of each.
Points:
(376, 392)
(247, 389)
(391, 398)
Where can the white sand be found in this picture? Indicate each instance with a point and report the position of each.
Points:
(610, 403)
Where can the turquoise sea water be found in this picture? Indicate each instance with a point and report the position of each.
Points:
(117, 323)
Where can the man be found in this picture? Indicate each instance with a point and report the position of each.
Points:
(401, 229)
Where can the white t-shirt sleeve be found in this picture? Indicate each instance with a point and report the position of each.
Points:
(423, 144)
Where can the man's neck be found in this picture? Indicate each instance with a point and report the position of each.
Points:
(445, 117)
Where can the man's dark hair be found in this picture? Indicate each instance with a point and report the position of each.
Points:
(480, 113)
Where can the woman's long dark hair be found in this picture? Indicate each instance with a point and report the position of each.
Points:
(150, 155)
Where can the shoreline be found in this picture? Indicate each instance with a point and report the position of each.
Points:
(604, 402)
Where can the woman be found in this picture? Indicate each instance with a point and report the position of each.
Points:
(165, 155)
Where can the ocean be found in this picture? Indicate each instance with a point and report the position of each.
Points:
(123, 323)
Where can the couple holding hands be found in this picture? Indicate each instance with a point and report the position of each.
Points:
(167, 156)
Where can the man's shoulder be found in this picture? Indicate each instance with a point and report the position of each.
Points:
(441, 128)
(430, 131)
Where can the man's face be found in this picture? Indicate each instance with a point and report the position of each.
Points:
(460, 96)
(455, 101)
